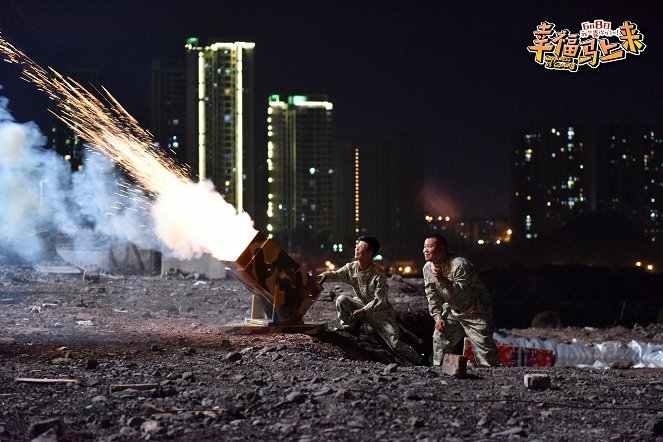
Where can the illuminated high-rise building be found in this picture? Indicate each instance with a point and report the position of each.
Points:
(168, 106)
(300, 169)
(630, 176)
(550, 181)
(220, 111)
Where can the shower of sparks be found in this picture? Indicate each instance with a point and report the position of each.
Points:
(108, 127)
(190, 218)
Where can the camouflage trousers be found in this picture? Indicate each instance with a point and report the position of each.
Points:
(384, 322)
(478, 330)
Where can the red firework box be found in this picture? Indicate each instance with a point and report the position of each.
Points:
(514, 356)
(536, 357)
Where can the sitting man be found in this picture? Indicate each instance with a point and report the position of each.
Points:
(370, 302)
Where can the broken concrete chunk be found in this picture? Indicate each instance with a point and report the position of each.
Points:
(537, 381)
(232, 357)
(391, 368)
(40, 427)
(454, 365)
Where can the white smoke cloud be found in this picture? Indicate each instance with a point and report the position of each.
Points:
(193, 218)
(40, 195)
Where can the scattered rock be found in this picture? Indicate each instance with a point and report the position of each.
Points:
(412, 395)
(655, 426)
(515, 431)
(454, 365)
(537, 381)
(135, 422)
(49, 436)
(90, 364)
(296, 396)
(281, 387)
(391, 368)
(150, 427)
(232, 357)
(40, 427)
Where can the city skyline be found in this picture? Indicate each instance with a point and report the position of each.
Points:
(468, 91)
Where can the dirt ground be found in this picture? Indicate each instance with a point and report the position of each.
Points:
(96, 335)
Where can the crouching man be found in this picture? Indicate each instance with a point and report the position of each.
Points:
(370, 302)
(458, 302)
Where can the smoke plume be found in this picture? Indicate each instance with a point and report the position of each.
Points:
(42, 199)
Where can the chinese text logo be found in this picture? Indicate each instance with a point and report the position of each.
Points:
(563, 51)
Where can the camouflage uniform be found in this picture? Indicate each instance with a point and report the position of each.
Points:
(465, 306)
(370, 287)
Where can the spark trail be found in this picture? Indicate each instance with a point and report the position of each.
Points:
(190, 218)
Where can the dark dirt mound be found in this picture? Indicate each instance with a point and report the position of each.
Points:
(190, 382)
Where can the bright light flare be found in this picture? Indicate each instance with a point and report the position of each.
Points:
(191, 218)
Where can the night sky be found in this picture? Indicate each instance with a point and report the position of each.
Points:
(458, 77)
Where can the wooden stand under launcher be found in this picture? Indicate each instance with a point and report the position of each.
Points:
(282, 291)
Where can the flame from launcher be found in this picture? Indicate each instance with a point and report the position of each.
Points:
(190, 218)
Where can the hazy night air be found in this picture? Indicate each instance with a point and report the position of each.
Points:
(459, 77)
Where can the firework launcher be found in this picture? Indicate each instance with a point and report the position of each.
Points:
(282, 291)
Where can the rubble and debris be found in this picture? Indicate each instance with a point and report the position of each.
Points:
(331, 379)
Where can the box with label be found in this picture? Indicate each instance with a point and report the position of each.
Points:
(514, 356)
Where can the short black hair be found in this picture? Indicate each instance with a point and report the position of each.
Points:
(441, 240)
(372, 242)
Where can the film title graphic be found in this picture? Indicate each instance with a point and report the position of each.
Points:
(596, 43)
